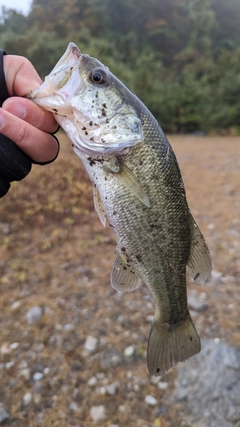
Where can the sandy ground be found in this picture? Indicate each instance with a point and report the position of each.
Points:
(56, 255)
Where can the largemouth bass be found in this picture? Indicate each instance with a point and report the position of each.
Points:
(137, 186)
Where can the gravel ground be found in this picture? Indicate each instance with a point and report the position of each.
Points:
(72, 350)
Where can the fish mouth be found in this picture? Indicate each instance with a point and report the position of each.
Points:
(70, 57)
(55, 84)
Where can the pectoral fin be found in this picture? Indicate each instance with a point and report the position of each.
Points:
(99, 206)
(123, 278)
(130, 181)
(199, 261)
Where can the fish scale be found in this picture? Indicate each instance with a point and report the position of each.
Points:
(137, 186)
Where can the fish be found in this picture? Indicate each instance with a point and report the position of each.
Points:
(138, 190)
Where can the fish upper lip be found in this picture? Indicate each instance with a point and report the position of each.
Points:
(71, 52)
(70, 59)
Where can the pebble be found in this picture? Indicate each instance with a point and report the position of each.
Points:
(150, 400)
(14, 346)
(37, 398)
(46, 371)
(216, 278)
(101, 391)
(90, 343)
(34, 314)
(122, 409)
(3, 414)
(97, 413)
(37, 376)
(129, 351)
(196, 301)
(15, 305)
(100, 376)
(162, 385)
(111, 389)
(113, 425)
(5, 349)
(68, 327)
(92, 382)
(25, 374)
(27, 398)
(154, 380)
(10, 364)
(73, 407)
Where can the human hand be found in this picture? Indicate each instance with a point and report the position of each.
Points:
(25, 123)
(24, 126)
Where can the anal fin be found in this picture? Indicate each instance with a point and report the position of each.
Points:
(123, 278)
(199, 262)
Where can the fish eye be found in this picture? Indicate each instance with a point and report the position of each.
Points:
(98, 76)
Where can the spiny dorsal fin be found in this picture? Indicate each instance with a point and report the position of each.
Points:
(199, 262)
(123, 278)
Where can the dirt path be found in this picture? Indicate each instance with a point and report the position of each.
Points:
(56, 255)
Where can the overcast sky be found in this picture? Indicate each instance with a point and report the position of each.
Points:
(19, 5)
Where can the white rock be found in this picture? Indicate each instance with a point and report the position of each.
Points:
(14, 346)
(5, 349)
(3, 414)
(100, 376)
(25, 374)
(150, 400)
(113, 425)
(15, 305)
(73, 407)
(122, 409)
(46, 371)
(37, 376)
(34, 314)
(97, 413)
(27, 398)
(10, 364)
(129, 351)
(162, 385)
(111, 389)
(92, 382)
(101, 391)
(154, 380)
(90, 343)
(68, 327)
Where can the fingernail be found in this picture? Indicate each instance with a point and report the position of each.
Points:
(17, 109)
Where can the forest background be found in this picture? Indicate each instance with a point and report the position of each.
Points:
(181, 57)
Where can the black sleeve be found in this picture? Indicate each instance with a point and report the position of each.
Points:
(14, 163)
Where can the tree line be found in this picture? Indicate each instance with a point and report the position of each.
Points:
(181, 57)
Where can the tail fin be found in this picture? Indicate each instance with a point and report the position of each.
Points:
(168, 345)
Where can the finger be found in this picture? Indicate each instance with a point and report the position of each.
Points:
(31, 113)
(21, 77)
(40, 146)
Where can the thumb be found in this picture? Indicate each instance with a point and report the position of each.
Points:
(21, 76)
